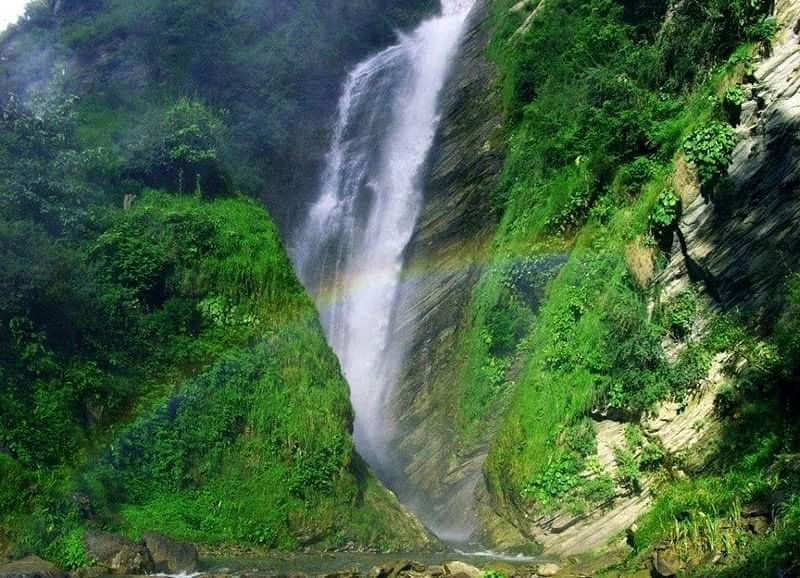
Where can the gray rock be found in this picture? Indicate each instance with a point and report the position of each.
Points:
(90, 572)
(121, 555)
(31, 567)
(547, 570)
(169, 555)
(758, 525)
(461, 570)
(394, 569)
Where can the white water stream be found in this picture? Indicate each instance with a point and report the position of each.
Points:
(349, 252)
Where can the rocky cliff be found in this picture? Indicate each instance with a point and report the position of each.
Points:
(440, 474)
(742, 244)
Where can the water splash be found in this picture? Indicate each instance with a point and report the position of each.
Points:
(367, 209)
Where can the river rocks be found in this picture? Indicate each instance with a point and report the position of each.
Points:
(461, 570)
(395, 569)
(170, 555)
(549, 569)
(121, 555)
(31, 567)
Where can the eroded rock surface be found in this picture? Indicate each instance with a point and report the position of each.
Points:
(171, 556)
(121, 555)
(443, 263)
(743, 243)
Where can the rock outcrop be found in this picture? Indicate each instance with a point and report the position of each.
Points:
(31, 567)
(744, 242)
(121, 555)
(170, 556)
(442, 264)
(741, 245)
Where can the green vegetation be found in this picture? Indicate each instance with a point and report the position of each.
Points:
(709, 148)
(271, 71)
(162, 367)
(601, 99)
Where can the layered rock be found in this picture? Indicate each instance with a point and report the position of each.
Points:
(30, 567)
(170, 556)
(442, 264)
(743, 243)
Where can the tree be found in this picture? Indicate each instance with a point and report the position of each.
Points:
(180, 149)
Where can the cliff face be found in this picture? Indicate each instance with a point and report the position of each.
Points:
(743, 243)
(443, 263)
(737, 249)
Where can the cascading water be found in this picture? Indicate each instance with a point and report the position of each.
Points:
(349, 253)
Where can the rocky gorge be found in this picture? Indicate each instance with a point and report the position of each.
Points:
(553, 256)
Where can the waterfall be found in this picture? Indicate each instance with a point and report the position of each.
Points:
(349, 251)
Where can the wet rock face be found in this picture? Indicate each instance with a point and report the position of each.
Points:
(443, 264)
(121, 555)
(171, 556)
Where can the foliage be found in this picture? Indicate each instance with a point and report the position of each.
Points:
(274, 68)
(681, 313)
(599, 97)
(732, 101)
(168, 348)
(181, 150)
(666, 212)
(710, 148)
(628, 474)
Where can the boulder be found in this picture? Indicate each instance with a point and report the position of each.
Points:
(549, 569)
(31, 567)
(121, 555)
(394, 569)
(461, 570)
(169, 555)
(665, 563)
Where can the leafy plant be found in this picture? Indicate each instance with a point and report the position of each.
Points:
(666, 212)
(681, 313)
(732, 102)
(710, 149)
(628, 471)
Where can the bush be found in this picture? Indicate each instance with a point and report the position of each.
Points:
(666, 213)
(180, 149)
(732, 102)
(710, 150)
(681, 313)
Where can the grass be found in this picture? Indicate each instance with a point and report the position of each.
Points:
(598, 111)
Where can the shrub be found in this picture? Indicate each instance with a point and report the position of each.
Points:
(681, 313)
(628, 474)
(732, 102)
(710, 150)
(665, 213)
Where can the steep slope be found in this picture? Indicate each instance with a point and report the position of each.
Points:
(161, 364)
(634, 369)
